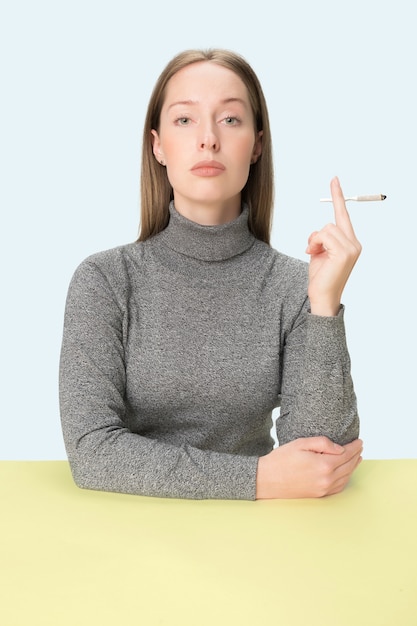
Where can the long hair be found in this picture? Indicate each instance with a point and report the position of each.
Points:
(155, 189)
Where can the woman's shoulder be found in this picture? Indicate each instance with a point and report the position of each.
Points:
(107, 268)
(284, 279)
(105, 275)
(280, 264)
(110, 260)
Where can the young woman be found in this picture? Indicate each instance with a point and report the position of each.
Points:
(177, 347)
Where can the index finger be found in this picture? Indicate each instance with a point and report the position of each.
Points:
(340, 212)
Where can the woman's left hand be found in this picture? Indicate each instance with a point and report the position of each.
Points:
(333, 252)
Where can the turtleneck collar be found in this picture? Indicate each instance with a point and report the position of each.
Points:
(207, 243)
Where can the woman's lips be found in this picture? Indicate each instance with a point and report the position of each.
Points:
(208, 168)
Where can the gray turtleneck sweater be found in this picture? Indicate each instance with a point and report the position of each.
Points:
(175, 352)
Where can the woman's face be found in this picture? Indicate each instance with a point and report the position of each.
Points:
(207, 140)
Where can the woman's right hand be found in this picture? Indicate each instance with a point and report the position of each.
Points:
(310, 467)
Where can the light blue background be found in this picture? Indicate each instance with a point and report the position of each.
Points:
(340, 80)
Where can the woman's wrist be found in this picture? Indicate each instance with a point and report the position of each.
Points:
(325, 309)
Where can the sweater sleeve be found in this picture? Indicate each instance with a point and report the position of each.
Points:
(317, 396)
(103, 453)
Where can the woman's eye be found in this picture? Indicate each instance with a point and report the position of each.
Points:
(230, 120)
(183, 121)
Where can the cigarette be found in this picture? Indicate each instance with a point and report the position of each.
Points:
(379, 196)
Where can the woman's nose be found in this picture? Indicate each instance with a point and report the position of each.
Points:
(209, 139)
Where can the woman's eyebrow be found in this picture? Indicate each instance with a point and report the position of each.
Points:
(237, 100)
(194, 102)
(182, 103)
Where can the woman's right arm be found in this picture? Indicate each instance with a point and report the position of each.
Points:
(310, 467)
(103, 453)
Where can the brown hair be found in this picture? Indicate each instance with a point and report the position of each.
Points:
(156, 191)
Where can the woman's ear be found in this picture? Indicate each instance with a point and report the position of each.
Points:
(257, 148)
(156, 147)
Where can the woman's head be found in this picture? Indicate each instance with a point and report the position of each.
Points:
(240, 135)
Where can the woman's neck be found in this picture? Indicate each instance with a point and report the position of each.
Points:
(207, 242)
(209, 213)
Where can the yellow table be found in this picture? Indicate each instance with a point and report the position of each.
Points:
(74, 557)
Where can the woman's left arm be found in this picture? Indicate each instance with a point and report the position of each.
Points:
(318, 397)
